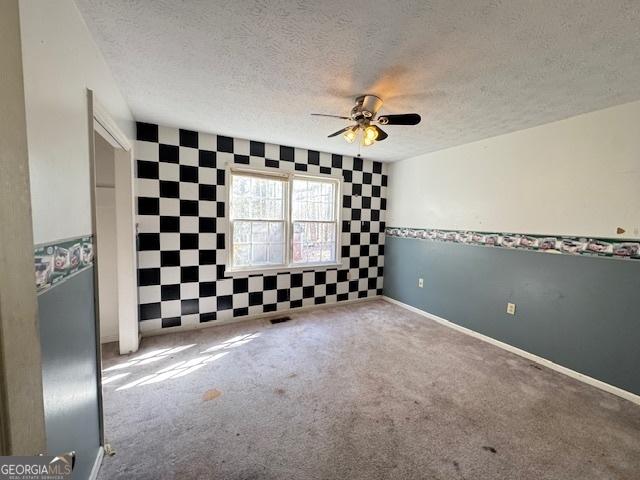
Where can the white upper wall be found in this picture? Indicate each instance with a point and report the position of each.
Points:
(61, 61)
(579, 176)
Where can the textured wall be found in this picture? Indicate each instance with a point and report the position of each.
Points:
(61, 62)
(579, 312)
(181, 190)
(579, 176)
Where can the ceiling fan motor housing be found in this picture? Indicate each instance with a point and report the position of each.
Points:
(366, 106)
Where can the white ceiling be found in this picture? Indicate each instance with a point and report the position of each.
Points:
(473, 69)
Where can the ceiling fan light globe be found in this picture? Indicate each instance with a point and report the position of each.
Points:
(350, 135)
(371, 133)
(367, 141)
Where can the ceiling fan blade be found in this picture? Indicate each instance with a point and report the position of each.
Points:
(402, 119)
(381, 133)
(332, 116)
(340, 131)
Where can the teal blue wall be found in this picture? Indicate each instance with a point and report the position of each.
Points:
(69, 370)
(577, 311)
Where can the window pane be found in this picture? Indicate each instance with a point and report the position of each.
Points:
(328, 232)
(241, 207)
(313, 200)
(328, 252)
(259, 232)
(314, 242)
(241, 185)
(276, 232)
(241, 232)
(258, 254)
(298, 256)
(241, 255)
(276, 253)
(258, 243)
(257, 198)
(273, 208)
(313, 252)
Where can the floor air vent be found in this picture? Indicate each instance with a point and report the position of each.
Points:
(280, 320)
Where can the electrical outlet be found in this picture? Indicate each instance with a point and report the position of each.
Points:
(420, 283)
(511, 308)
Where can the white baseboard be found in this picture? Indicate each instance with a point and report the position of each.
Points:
(109, 339)
(96, 465)
(246, 318)
(523, 353)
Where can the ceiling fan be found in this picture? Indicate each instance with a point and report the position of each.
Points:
(364, 115)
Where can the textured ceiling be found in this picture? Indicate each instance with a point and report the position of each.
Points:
(473, 69)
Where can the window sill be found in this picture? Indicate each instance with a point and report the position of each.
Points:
(237, 272)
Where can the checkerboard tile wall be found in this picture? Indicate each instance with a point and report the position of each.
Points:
(181, 195)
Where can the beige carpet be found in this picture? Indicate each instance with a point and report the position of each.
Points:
(362, 391)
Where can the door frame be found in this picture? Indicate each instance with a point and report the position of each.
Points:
(104, 125)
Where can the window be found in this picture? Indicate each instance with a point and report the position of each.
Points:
(282, 220)
(313, 217)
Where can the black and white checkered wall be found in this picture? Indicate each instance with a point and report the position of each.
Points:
(181, 196)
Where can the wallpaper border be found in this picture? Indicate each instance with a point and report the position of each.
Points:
(75, 255)
(568, 245)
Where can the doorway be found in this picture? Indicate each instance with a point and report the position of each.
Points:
(106, 238)
(114, 231)
(114, 226)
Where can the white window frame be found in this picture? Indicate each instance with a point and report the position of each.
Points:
(288, 178)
